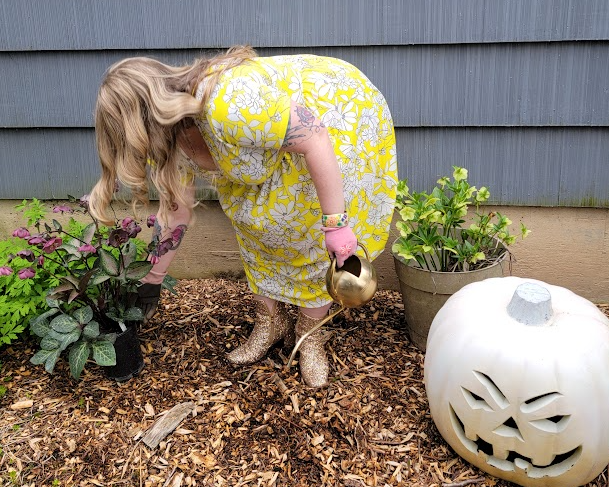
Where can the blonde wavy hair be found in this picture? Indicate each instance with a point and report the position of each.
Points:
(141, 105)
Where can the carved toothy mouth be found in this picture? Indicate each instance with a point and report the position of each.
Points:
(515, 461)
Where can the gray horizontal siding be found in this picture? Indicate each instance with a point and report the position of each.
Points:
(536, 84)
(29, 25)
(541, 166)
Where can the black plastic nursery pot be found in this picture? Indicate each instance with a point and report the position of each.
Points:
(129, 358)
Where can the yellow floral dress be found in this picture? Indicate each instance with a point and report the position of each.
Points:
(268, 193)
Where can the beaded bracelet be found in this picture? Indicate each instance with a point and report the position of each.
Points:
(335, 221)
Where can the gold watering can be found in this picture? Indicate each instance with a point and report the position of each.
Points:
(351, 286)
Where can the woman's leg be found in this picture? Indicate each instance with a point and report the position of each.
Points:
(313, 360)
(272, 324)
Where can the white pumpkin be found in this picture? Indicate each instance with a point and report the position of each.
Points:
(524, 394)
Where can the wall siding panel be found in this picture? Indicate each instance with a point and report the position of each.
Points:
(66, 25)
(522, 166)
(549, 84)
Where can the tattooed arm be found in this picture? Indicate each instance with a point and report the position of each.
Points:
(307, 135)
(175, 228)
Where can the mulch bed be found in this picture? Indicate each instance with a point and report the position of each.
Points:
(255, 426)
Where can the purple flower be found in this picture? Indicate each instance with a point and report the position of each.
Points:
(36, 239)
(52, 245)
(5, 271)
(131, 227)
(84, 201)
(62, 209)
(150, 221)
(126, 222)
(41, 260)
(26, 273)
(154, 259)
(117, 237)
(21, 233)
(26, 254)
(87, 248)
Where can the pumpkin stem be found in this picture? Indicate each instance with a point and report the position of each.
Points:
(531, 304)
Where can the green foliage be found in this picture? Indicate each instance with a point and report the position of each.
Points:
(77, 283)
(432, 232)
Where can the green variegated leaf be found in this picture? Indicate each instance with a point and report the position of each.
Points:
(49, 363)
(70, 248)
(169, 284)
(91, 330)
(88, 233)
(64, 338)
(98, 278)
(110, 337)
(133, 314)
(44, 316)
(104, 353)
(48, 343)
(79, 354)
(83, 315)
(137, 270)
(130, 253)
(52, 303)
(41, 356)
(108, 263)
(40, 328)
(64, 324)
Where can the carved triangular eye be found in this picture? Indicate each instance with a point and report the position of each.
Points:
(474, 400)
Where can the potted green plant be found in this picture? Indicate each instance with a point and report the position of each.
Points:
(91, 307)
(443, 246)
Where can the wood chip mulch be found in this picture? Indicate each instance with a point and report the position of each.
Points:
(248, 426)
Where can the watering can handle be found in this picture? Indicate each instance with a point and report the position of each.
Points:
(333, 264)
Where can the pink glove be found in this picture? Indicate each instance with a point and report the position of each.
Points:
(341, 243)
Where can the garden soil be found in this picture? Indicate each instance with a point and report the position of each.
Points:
(247, 426)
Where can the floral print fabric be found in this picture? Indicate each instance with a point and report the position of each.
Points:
(268, 193)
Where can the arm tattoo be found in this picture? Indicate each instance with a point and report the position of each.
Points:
(302, 128)
(160, 247)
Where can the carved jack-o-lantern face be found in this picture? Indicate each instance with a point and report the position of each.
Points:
(525, 403)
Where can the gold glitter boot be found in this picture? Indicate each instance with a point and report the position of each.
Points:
(313, 361)
(268, 330)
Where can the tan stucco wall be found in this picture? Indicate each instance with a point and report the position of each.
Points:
(568, 247)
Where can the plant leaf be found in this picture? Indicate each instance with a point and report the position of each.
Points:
(98, 278)
(73, 295)
(83, 315)
(104, 353)
(40, 328)
(133, 314)
(52, 303)
(70, 249)
(130, 253)
(91, 330)
(51, 360)
(41, 356)
(138, 270)
(88, 233)
(169, 284)
(64, 324)
(79, 354)
(48, 343)
(65, 338)
(108, 263)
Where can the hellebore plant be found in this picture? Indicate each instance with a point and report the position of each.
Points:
(100, 269)
(432, 232)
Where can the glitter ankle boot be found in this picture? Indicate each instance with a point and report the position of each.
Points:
(313, 360)
(268, 330)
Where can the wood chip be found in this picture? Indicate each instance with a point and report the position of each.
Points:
(165, 425)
